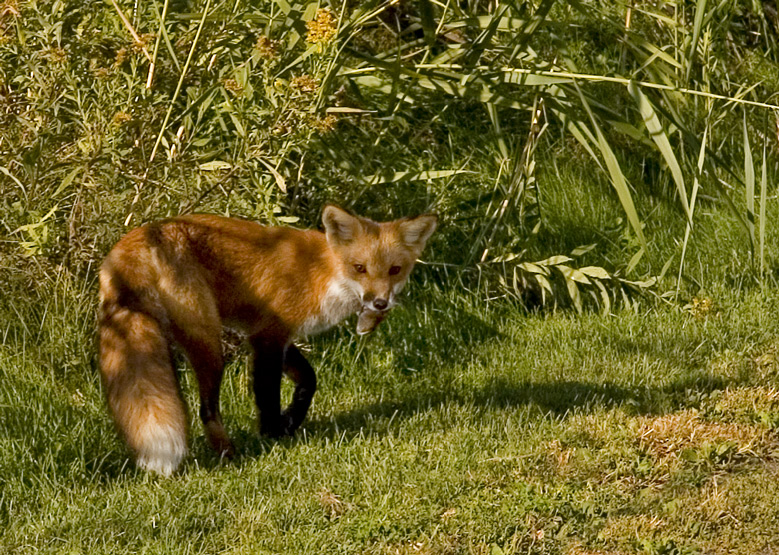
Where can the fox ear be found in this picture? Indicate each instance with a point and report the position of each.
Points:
(416, 231)
(340, 226)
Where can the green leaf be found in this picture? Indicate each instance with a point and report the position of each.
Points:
(66, 181)
(604, 298)
(280, 181)
(393, 177)
(644, 284)
(215, 165)
(31, 226)
(749, 182)
(573, 274)
(7, 172)
(544, 283)
(700, 12)
(761, 219)
(238, 125)
(555, 260)
(583, 249)
(347, 110)
(573, 292)
(634, 260)
(658, 135)
(506, 257)
(595, 272)
(617, 177)
(534, 268)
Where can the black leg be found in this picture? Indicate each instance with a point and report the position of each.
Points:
(297, 368)
(268, 361)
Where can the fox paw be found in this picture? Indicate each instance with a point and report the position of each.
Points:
(288, 425)
(284, 427)
(219, 441)
(224, 449)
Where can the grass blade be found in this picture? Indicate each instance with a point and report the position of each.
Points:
(160, 34)
(700, 12)
(761, 219)
(495, 119)
(427, 20)
(617, 177)
(181, 81)
(749, 182)
(693, 198)
(658, 135)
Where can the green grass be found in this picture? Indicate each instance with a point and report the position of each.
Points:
(457, 427)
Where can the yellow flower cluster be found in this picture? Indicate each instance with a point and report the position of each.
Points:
(267, 48)
(120, 118)
(304, 83)
(702, 307)
(324, 125)
(233, 86)
(56, 55)
(121, 56)
(322, 28)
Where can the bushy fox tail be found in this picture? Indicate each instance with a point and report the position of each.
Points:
(140, 383)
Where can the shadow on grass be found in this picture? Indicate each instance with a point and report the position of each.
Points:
(555, 398)
(376, 419)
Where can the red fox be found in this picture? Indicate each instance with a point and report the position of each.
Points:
(180, 280)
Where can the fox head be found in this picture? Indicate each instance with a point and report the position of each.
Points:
(376, 258)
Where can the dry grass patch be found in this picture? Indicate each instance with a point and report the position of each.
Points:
(673, 434)
(738, 512)
(756, 365)
(624, 532)
(332, 504)
(580, 550)
(766, 361)
(558, 457)
(749, 404)
(437, 546)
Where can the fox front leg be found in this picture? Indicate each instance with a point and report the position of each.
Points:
(297, 368)
(268, 364)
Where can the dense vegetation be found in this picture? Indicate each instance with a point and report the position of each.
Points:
(586, 362)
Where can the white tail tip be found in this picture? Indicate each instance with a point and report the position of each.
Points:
(162, 450)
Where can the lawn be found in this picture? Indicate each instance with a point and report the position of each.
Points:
(456, 428)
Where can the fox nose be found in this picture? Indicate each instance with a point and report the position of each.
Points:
(380, 304)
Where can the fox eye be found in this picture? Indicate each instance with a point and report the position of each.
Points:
(394, 270)
(359, 268)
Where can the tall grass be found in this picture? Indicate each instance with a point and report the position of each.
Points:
(258, 110)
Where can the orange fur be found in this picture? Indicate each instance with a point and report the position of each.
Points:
(181, 280)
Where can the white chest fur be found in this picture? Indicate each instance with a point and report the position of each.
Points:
(341, 300)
